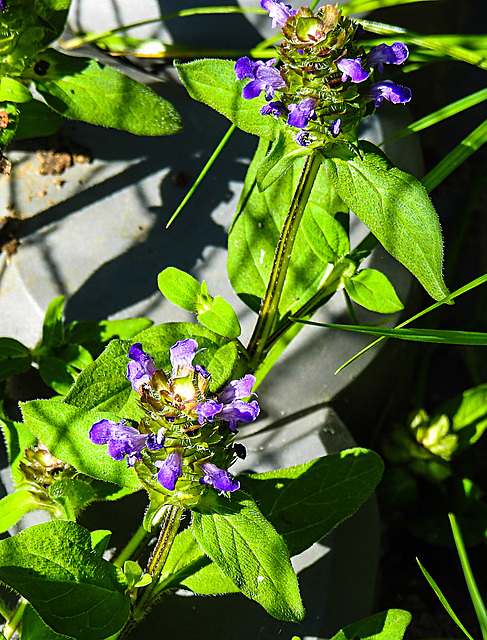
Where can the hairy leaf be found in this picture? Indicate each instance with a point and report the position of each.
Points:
(372, 289)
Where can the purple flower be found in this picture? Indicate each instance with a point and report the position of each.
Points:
(278, 11)
(218, 478)
(304, 139)
(263, 76)
(390, 91)
(384, 54)
(229, 405)
(3, 5)
(336, 125)
(123, 440)
(352, 68)
(182, 355)
(274, 109)
(300, 114)
(142, 367)
(170, 470)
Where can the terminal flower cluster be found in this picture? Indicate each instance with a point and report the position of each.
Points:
(186, 440)
(323, 86)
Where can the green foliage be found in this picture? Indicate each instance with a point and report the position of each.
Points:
(83, 89)
(388, 625)
(372, 289)
(34, 627)
(17, 438)
(186, 292)
(396, 208)
(14, 506)
(213, 83)
(252, 554)
(14, 358)
(73, 590)
(321, 239)
(307, 501)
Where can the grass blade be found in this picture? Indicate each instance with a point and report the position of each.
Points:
(443, 600)
(442, 114)
(477, 601)
(358, 6)
(454, 159)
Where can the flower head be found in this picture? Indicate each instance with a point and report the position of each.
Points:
(301, 113)
(170, 470)
(124, 440)
(141, 368)
(388, 90)
(263, 77)
(383, 54)
(213, 475)
(278, 11)
(352, 68)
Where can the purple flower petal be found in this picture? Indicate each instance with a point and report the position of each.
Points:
(218, 478)
(239, 411)
(263, 75)
(388, 90)
(181, 355)
(141, 368)
(208, 410)
(237, 389)
(278, 11)
(170, 470)
(300, 114)
(122, 439)
(352, 68)
(274, 109)
(336, 125)
(384, 54)
(155, 441)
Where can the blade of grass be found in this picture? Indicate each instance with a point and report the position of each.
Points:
(203, 173)
(477, 601)
(428, 42)
(184, 13)
(454, 159)
(358, 6)
(447, 300)
(443, 600)
(442, 114)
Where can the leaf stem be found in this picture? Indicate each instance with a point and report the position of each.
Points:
(11, 626)
(131, 548)
(270, 304)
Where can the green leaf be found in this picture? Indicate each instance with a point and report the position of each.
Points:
(387, 625)
(307, 501)
(14, 506)
(10, 118)
(83, 89)
(99, 541)
(221, 318)
(36, 119)
(72, 494)
(53, 328)
(189, 567)
(18, 438)
(73, 590)
(179, 288)
(14, 358)
(86, 331)
(280, 158)
(13, 91)
(34, 627)
(372, 289)
(64, 429)
(213, 82)
(396, 208)
(322, 238)
(468, 414)
(56, 374)
(55, 14)
(252, 554)
(222, 365)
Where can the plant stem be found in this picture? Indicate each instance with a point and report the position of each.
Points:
(270, 304)
(169, 529)
(11, 626)
(131, 548)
